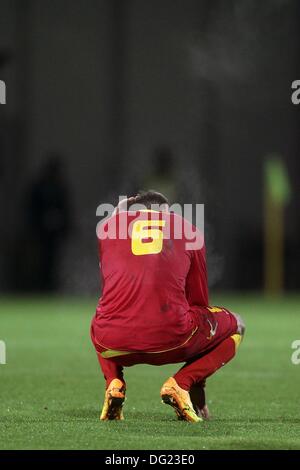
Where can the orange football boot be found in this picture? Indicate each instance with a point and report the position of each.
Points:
(173, 395)
(113, 401)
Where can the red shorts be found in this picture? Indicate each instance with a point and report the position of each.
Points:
(214, 324)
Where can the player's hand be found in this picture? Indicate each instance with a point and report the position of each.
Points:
(123, 205)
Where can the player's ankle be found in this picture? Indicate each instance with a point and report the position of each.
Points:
(182, 384)
(121, 382)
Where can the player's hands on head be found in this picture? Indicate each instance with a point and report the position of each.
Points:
(123, 205)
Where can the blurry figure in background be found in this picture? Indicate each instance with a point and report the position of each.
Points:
(48, 216)
(163, 176)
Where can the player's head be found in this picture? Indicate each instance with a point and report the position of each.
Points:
(150, 200)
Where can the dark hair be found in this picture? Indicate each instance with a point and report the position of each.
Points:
(149, 198)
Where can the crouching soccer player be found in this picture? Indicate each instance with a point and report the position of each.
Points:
(154, 307)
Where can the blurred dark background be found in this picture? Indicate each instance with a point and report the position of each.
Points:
(105, 97)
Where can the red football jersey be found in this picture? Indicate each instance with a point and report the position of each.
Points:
(152, 277)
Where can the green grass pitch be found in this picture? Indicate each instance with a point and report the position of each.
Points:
(51, 389)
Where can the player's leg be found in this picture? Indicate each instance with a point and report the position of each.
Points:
(115, 389)
(197, 391)
(110, 369)
(200, 369)
(176, 391)
(191, 378)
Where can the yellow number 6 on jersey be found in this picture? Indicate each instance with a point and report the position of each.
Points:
(142, 230)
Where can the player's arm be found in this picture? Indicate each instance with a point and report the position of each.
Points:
(196, 282)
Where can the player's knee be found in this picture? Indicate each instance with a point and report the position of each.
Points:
(241, 327)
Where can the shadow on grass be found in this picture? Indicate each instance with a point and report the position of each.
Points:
(130, 415)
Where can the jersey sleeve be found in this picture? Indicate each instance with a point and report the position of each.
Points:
(196, 281)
